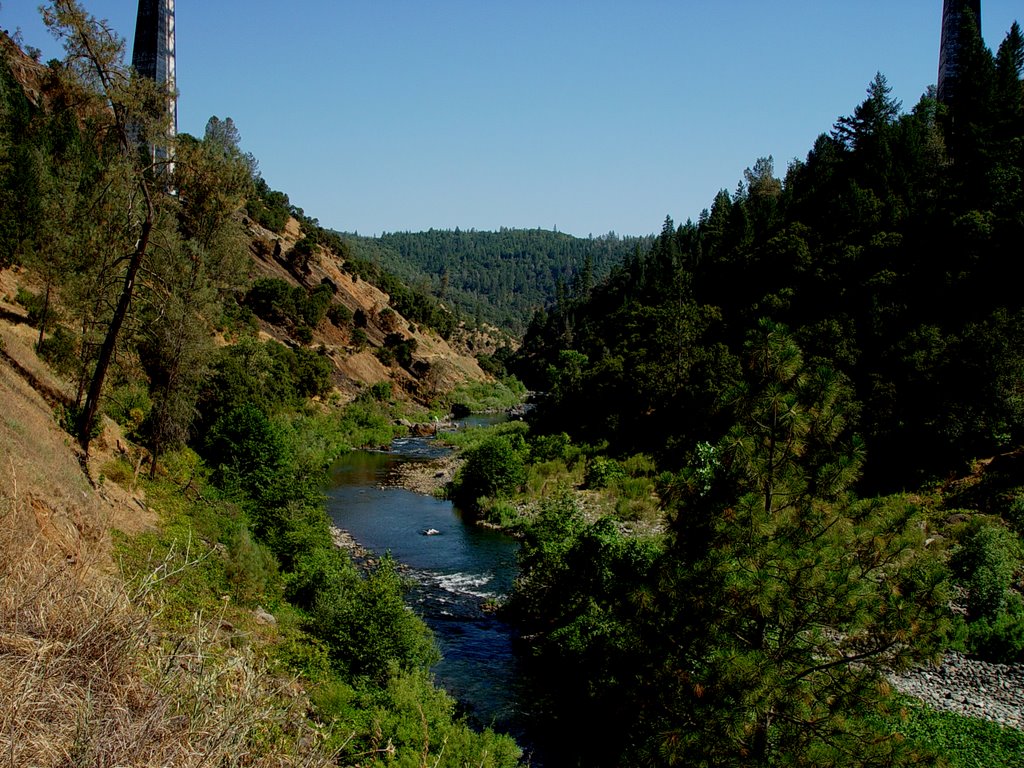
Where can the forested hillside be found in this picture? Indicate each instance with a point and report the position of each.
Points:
(259, 265)
(499, 278)
(826, 369)
(889, 255)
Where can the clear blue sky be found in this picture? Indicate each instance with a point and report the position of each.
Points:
(385, 115)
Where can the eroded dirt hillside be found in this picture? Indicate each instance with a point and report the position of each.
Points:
(438, 366)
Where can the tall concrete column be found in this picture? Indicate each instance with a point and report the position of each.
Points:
(153, 52)
(953, 18)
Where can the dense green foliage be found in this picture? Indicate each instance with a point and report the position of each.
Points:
(495, 469)
(851, 327)
(760, 628)
(963, 742)
(280, 303)
(269, 207)
(147, 260)
(889, 252)
(495, 277)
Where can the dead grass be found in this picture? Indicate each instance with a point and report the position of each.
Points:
(87, 680)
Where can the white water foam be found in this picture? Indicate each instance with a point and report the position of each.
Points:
(463, 584)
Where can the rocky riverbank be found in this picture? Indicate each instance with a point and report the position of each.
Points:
(427, 477)
(972, 688)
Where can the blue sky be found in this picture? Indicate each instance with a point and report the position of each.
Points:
(588, 117)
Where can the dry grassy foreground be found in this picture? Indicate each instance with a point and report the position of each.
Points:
(86, 678)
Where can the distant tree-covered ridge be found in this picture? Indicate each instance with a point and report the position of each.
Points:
(500, 277)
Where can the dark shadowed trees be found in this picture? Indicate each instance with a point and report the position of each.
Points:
(789, 599)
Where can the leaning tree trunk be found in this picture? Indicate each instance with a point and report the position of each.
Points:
(92, 400)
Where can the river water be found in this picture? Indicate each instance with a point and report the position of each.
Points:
(458, 575)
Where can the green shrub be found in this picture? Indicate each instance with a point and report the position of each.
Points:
(339, 315)
(249, 453)
(547, 477)
(502, 514)
(494, 469)
(311, 372)
(260, 374)
(483, 396)
(548, 447)
(269, 207)
(473, 437)
(1000, 638)
(986, 562)
(251, 570)
(488, 364)
(369, 421)
(314, 564)
(119, 471)
(129, 405)
(639, 465)
(60, 351)
(635, 500)
(35, 303)
(634, 488)
(415, 724)
(601, 471)
(299, 256)
(312, 306)
(333, 699)
(366, 626)
(1015, 512)
(401, 348)
(272, 299)
(381, 392)
(387, 319)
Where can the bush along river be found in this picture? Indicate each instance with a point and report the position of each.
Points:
(458, 570)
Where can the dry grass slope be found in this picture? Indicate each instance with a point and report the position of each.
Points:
(86, 676)
(86, 681)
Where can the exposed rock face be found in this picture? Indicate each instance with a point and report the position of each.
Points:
(973, 688)
(30, 74)
(437, 367)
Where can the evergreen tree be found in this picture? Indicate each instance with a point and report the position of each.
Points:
(95, 67)
(878, 111)
(789, 599)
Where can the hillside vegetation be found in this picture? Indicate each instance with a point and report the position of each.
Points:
(177, 378)
(498, 278)
(786, 389)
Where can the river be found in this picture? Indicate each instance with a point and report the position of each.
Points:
(459, 572)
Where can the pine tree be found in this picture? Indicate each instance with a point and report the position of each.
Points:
(95, 68)
(789, 598)
(878, 111)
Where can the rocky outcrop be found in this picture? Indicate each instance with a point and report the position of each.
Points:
(437, 367)
(967, 687)
(29, 73)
